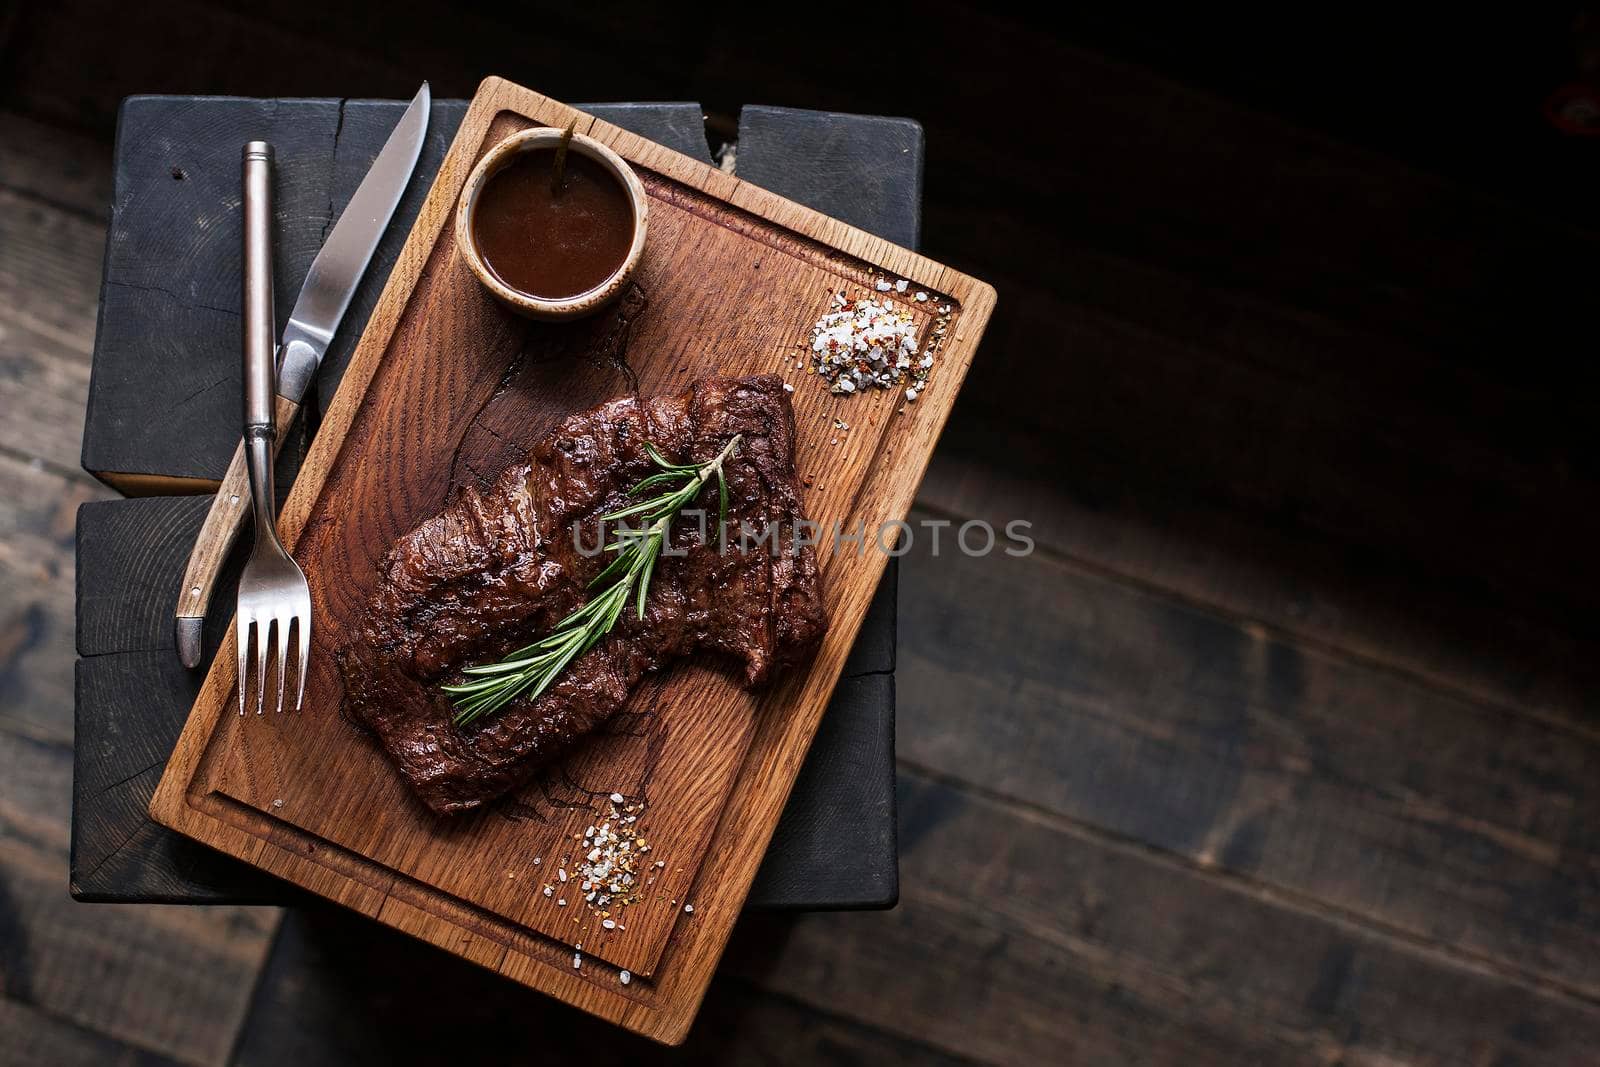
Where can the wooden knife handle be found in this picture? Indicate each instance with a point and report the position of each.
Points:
(223, 522)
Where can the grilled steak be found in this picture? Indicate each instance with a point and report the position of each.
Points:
(499, 567)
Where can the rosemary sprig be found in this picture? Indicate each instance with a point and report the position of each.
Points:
(533, 668)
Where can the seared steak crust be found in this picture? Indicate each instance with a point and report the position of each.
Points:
(499, 567)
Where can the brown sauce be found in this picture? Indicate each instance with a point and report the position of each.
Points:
(553, 245)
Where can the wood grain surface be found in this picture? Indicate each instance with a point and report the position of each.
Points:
(441, 388)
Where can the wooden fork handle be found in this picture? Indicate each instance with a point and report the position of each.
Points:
(223, 523)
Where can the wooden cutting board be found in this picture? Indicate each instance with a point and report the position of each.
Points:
(445, 388)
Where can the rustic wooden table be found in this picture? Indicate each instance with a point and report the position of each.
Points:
(1282, 746)
(165, 358)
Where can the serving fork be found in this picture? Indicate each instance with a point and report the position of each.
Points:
(273, 594)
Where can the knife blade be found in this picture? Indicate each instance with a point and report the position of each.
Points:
(338, 268)
(324, 298)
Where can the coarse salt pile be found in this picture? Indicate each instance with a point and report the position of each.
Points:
(609, 869)
(608, 872)
(863, 343)
(867, 342)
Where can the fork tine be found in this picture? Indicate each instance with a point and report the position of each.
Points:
(263, 628)
(283, 620)
(241, 638)
(303, 622)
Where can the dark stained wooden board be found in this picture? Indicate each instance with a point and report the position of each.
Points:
(335, 982)
(1330, 780)
(39, 1037)
(62, 168)
(1026, 938)
(50, 254)
(301, 796)
(834, 847)
(167, 987)
(36, 621)
(172, 980)
(45, 341)
(864, 170)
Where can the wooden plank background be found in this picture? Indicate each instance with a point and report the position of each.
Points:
(1267, 360)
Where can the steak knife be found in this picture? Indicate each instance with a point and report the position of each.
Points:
(323, 300)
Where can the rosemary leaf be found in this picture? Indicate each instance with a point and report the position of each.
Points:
(644, 583)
